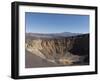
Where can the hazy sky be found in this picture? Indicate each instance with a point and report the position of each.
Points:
(56, 23)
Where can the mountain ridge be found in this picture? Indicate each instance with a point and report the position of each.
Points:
(52, 35)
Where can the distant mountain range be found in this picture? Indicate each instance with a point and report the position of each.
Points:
(52, 35)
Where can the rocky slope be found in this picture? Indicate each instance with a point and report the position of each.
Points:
(73, 50)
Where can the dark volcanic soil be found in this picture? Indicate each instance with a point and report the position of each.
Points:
(31, 61)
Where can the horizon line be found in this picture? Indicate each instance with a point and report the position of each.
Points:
(57, 32)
